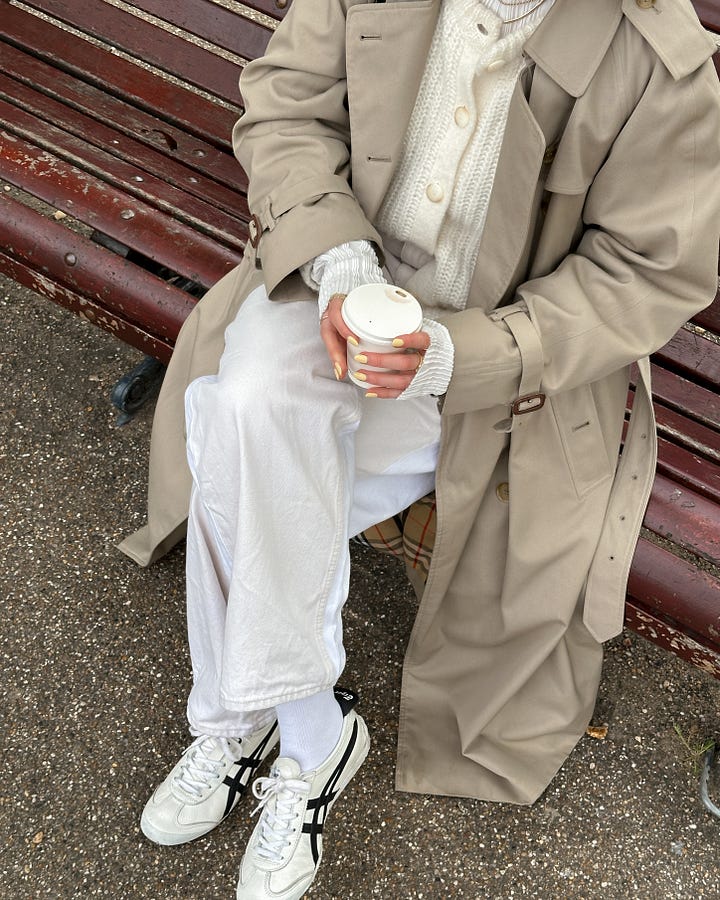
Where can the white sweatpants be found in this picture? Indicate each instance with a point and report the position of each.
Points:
(287, 465)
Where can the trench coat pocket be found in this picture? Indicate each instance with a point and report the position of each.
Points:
(582, 439)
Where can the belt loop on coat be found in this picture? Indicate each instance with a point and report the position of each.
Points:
(529, 398)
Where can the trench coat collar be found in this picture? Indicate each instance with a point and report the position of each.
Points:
(572, 63)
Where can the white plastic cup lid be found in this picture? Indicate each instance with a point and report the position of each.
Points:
(381, 312)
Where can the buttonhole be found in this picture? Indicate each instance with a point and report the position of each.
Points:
(379, 159)
(370, 37)
(481, 28)
(578, 427)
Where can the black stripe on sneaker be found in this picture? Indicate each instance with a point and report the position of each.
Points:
(247, 765)
(319, 804)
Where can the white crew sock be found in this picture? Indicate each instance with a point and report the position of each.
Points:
(310, 728)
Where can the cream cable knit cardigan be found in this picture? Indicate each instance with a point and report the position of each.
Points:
(435, 208)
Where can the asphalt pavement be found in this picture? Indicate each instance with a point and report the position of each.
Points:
(95, 671)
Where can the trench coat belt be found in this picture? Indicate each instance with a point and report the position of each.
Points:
(529, 397)
(608, 575)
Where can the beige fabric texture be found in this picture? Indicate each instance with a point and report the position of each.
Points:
(601, 238)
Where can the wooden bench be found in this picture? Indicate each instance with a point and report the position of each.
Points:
(116, 132)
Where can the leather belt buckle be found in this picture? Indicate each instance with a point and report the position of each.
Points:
(254, 231)
(528, 403)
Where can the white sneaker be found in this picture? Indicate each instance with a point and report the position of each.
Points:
(204, 786)
(285, 848)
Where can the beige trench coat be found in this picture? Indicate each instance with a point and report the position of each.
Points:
(601, 240)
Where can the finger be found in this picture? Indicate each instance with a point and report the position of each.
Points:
(398, 362)
(336, 348)
(334, 311)
(378, 393)
(394, 380)
(419, 340)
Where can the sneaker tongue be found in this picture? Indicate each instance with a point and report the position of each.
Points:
(286, 767)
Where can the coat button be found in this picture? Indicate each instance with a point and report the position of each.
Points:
(495, 65)
(503, 492)
(550, 154)
(434, 192)
(645, 4)
(462, 116)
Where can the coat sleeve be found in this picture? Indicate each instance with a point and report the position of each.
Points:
(646, 261)
(294, 141)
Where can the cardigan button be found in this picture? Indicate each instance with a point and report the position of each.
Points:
(462, 116)
(495, 65)
(434, 192)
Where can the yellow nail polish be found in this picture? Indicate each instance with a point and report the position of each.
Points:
(361, 376)
(338, 371)
(398, 342)
(361, 358)
(370, 394)
(354, 341)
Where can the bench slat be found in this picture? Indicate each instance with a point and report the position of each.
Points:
(682, 395)
(681, 430)
(662, 582)
(708, 13)
(694, 356)
(689, 470)
(153, 234)
(125, 331)
(216, 24)
(150, 189)
(154, 45)
(710, 318)
(646, 624)
(276, 9)
(92, 271)
(175, 144)
(684, 517)
(95, 65)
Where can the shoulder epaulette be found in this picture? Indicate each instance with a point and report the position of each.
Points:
(673, 30)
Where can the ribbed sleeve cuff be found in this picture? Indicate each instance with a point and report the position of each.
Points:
(341, 269)
(433, 376)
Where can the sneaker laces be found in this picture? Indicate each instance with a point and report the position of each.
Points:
(202, 766)
(276, 822)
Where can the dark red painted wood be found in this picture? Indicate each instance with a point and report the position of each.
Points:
(150, 189)
(663, 582)
(684, 517)
(709, 13)
(710, 318)
(130, 334)
(694, 356)
(680, 430)
(156, 235)
(681, 394)
(689, 470)
(274, 8)
(205, 19)
(124, 79)
(703, 655)
(91, 271)
(204, 159)
(154, 45)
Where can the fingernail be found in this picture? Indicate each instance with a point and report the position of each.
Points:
(361, 358)
(354, 341)
(338, 371)
(398, 342)
(361, 376)
(370, 394)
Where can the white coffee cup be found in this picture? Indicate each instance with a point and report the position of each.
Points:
(376, 314)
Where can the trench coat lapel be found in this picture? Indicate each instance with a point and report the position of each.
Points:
(387, 45)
